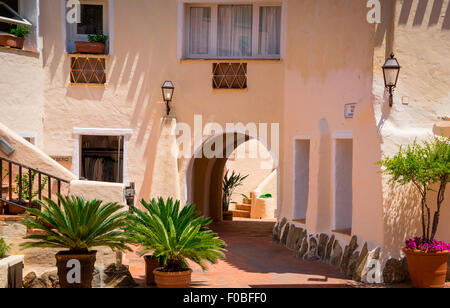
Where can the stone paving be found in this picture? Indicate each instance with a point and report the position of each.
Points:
(253, 260)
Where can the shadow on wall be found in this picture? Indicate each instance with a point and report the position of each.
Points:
(134, 71)
(402, 212)
(438, 11)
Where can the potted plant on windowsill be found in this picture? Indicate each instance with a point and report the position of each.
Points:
(426, 166)
(78, 226)
(16, 37)
(96, 44)
(174, 235)
(229, 185)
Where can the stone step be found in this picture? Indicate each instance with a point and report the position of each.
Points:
(243, 207)
(241, 214)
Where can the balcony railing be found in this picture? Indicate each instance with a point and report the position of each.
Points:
(21, 186)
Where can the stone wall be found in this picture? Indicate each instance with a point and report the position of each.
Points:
(355, 261)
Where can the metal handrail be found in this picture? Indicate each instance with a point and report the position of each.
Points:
(41, 185)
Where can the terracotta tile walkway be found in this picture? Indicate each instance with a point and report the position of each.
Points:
(253, 260)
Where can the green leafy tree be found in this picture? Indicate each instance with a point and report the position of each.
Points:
(229, 185)
(174, 235)
(78, 226)
(425, 165)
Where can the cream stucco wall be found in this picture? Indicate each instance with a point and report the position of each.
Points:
(419, 35)
(331, 56)
(329, 64)
(140, 63)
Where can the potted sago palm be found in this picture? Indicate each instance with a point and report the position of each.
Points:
(174, 235)
(427, 167)
(77, 226)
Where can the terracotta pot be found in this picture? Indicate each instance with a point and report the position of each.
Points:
(87, 262)
(12, 41)
(150, 265)
(90, 48)
(176, 280)
(427, 270)
(228, 216)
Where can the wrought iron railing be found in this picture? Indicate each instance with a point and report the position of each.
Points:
(17, 183)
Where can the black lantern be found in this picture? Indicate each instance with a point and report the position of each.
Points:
(167, 91)
(391, 70)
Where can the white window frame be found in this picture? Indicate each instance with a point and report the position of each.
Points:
(214, 5)
(31, 135)
(79, 132)
(71, 29)
(21, 22)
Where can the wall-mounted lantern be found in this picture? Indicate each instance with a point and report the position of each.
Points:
(167, 90)
(391, 71)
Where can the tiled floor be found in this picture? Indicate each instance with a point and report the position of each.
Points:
(253, 260)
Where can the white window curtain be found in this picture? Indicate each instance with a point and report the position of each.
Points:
(200, 21)
(269, 31)
(234, 27)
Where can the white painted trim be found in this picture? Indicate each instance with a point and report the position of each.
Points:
(301, 138)
(78, 132)
(33, 135)
(111, 27)
(102, 131)
(342, 135)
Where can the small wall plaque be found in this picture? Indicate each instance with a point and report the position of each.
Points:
(349, 110)
(62, 159)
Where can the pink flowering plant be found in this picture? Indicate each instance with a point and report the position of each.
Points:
(421, 244)
(426, 166)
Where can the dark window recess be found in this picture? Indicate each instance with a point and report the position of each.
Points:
(85, 70)
(14, 4)
(91, 19)
(102, 158)
(229, 76)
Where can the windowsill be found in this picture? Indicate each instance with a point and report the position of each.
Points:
(301, 221)
(87, 55)
(279, 60)
(20, 51)
(347, 231)
(88, 85)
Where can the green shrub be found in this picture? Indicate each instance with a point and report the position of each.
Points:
(4, 248)
(174, 235)
(98, 38)
(77, 225)
(20, 31)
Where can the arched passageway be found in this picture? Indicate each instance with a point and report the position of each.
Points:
(205, 172)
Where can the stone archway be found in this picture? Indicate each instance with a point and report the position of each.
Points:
(203, 175)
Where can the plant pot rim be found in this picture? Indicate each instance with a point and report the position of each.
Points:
(423, 253)
(73, 253)
(183, 273)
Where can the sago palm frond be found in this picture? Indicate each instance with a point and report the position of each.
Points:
(77, 225)
(174, 235)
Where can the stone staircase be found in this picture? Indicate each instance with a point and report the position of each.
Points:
(242, 211)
